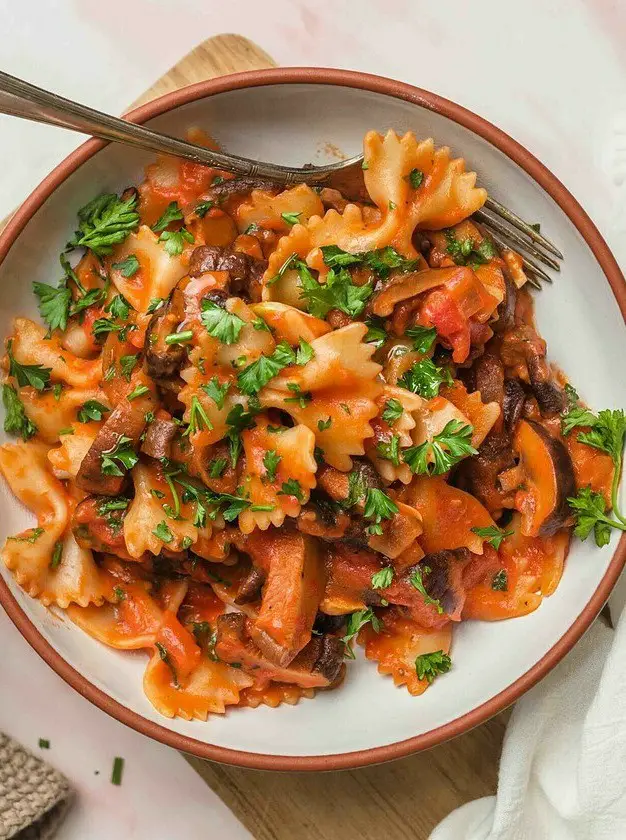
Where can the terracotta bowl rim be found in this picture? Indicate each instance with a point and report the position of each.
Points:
(572, 209)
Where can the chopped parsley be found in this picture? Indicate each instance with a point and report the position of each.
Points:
(57, 553)
(219, 323)
(338, 292)
(389, 449)
(302, 398)
(128, 267)
(356, 621)
(179, 337)
(16, 421)
(118, 770)
(493, 535)
(104, 222)
(197, 417)
(428, 666)
(119, 458)
(291, 218)
(378, 506)
(91, 410)
(322, 425)
(35, 375)
(425, 379)
(500, 581)
(32, 538)
(415, 178)
(139, 391)
(172, 213)
(118, 308)
(216, 392)
(437, 456)
(381, 261)
(162, 531)
(175, 240)
(217, 467)
(304, 353)
(423, 337)
(466, 252)
(393, 411)
(291, 487)
(44, 744)
(256, 376)
(416, 579)
(376, 333)
(271, 460)
(383, 578)
(203, 207)
(127, 365)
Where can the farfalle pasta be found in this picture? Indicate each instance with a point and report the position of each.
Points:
(261, 427)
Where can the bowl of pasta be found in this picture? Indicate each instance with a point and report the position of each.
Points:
(273, 449)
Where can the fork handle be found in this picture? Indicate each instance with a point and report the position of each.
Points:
(21, 99)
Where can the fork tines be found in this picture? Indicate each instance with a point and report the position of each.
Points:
(510, 232)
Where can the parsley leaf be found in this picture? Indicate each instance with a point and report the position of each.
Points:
(423, 338)
(291, 218)
(175, 240)
(390, 449)
(118, 307)
(217, 467)
(304, 353)
(292, 488)
(197, 417)
(256, 376)
(465, 252)
(415, 178)
(357, 489)
(202, 208)
(338, 292)
(127, 365)
(590, 512)
(302, 398)
(381, 261)
(91, 410)
(104, 222)
(54, 304)
(428, 666)
(35, 375)
(127, 267)
(322, 425)
(378, 506)
(271, 460)
(376, 333)
(493, 535)
(393, 411)
(220, 323)
(500, 581)
(437, 456)
(172, 213)
(356, 621)
(15, 421)
(155, 303)
(416, 579)
(122, 453)
(383, 578)
(425, 379)
(163, 532)
(216, 392)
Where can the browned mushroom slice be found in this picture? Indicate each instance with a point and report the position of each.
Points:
(398, 533)
(481, 474)
(522, 346)
(163, 360)
(243, 270)
(348, 487)
(127, 420)
(318, 665)
(513, 404)
(250, 587)
(549, 480)
(405, 286)
(291, 596)
(159, 436)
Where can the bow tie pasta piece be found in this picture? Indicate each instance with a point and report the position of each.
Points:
(268, 210)
(280, 281)
(392, 432)
(45, 563)
(180, 682)
(274, 694)
(289, 323)
(51, 413)
(279, 474)
(157, 274)
(130, 623)
(31, 347)
(398, 645)
(147, 527)
(334, 394)
(481, 416)
(66, 459)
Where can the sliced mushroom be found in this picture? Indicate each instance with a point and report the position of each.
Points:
(292, 593)
(409, 285)
(244, 272)
(318, 665)
(513, 404)
(549, 480)
(481, 474)
(250, 587)
(522, 346)
(159, 435)
(126, 420)
(163, 360)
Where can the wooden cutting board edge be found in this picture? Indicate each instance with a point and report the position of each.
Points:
(405, 799)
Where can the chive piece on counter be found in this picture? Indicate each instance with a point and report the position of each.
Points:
(44, 744)
(118, 770)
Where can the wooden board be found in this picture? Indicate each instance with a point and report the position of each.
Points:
(401, 800)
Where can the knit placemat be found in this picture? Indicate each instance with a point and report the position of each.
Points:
(34, 797)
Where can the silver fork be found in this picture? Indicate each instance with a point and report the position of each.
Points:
(21, 99)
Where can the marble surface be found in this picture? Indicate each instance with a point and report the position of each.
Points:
(552, 73)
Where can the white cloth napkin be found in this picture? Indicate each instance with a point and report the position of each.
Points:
(563, 765)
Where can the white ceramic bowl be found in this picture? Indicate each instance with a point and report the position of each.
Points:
(289, 116)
